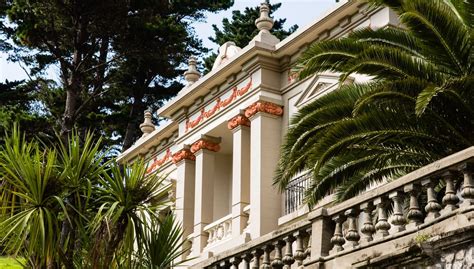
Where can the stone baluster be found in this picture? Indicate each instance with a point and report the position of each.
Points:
(382, 226)
(368, 228)
(307, 251)
(256, 253)
(450, 199)
(352, 234)
(414, 215)
(246, 259)
(398, 220)
(337, 240)
(235, 261)
(467, 191)
(300, 254)
(277, 258)
(288, 259)
(267, 250)
(432, 208)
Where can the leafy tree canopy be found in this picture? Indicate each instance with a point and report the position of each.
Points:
(115, 58)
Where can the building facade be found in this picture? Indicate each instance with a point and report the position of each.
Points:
(221, 143)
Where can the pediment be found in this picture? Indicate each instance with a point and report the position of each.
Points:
(319, 85)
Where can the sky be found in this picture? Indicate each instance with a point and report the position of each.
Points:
(300, 12)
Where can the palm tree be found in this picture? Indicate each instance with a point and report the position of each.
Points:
(66, 206)
(417, 109)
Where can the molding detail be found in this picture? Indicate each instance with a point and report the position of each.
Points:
(239, 120)
(219, 105)
(205, 144)
(184, 154)
(266, 107)
(156, 163)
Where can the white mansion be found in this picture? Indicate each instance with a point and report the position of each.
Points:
(221, 145)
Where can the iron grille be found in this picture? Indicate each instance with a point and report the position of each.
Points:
(295, 191)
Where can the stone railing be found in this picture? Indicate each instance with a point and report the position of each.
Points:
(416, 202)
(219, 230)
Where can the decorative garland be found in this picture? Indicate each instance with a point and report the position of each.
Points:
(219, 104)
(156, 163)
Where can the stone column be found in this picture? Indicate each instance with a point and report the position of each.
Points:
(240, 126)
(184, 161)
(204, 150)
(265, 140)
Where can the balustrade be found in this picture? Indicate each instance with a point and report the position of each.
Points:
(219, 230)
(383, 213)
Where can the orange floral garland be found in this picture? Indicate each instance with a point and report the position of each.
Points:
(159, 162)
(219, 104)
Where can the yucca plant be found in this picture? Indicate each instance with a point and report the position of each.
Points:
(419, 107)
(128, 200)
(30, 191)
(66, 206)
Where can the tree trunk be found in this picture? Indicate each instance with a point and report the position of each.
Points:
(68, 119)
(134, 119)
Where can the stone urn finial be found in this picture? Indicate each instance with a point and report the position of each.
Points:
(147, 126)
(192, 74)
(265, 22)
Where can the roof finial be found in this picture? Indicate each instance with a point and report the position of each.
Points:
(192, 74)
(147, 126)
(264, 22)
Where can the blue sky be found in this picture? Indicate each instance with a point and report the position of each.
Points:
(301, 12)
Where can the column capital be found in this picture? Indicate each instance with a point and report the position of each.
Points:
(239, 120)
(263, 106)
(206, 142)
(183, 154)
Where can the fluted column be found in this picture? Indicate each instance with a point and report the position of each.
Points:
(205, 150)
(265, 141)
(185, 163)
(240, 126)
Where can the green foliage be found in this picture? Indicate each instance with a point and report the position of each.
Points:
(9, 263)
(66, 206)
(241, 28)
(417, 109)
(115, 58)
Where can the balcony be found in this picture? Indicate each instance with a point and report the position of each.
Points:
(295, 192)
(425, 218)
(219, 231)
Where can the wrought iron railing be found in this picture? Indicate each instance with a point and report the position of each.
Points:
(295, 192)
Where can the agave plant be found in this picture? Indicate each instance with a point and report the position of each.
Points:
(417, 109)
